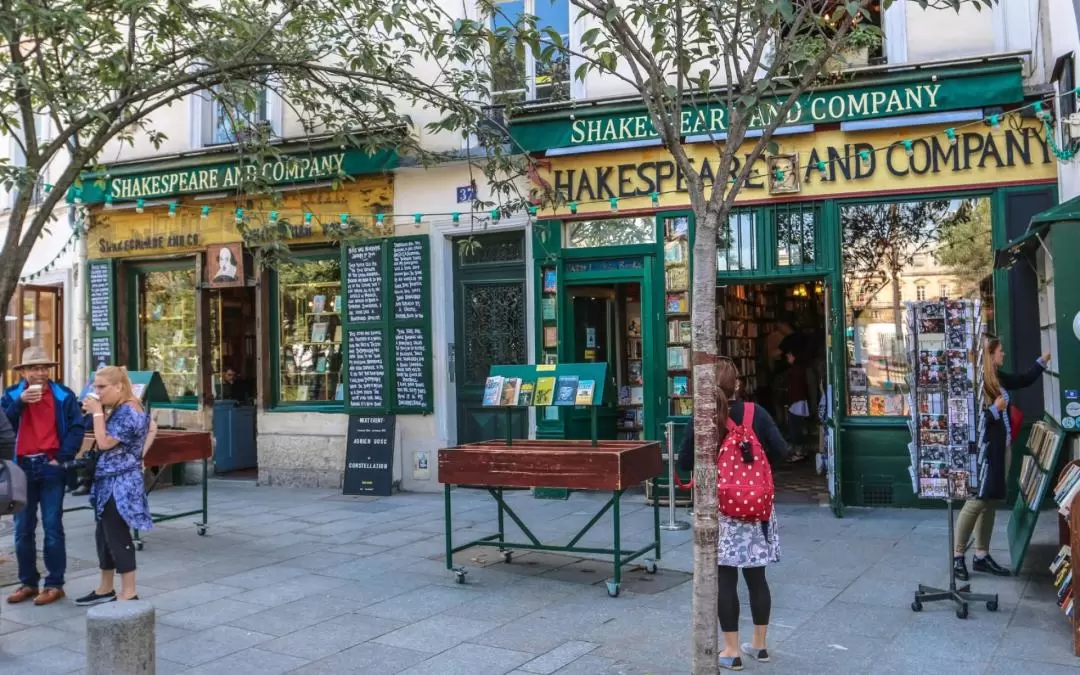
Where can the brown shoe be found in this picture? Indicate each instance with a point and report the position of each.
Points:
(23, 594)
(48, 595)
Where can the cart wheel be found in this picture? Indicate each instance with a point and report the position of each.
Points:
(460, 576)
(139, 545)
(992, 606)
(201, 530)
(613, 589)
(916, 606)
(650, 567)
(508, 557)
(962, 613)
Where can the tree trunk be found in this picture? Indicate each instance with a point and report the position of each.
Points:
(706, 526)
(9, 282)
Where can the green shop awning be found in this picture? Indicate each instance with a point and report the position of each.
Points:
(1022, 246)
(923, 90)
(218, 173)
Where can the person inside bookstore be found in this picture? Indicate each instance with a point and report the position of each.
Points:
(233, 387)
(1002, 423)
(799, 389)
(745, 545)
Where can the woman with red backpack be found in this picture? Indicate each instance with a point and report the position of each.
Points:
(1002, 421)
(747, 435)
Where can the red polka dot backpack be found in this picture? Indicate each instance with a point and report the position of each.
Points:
(744, 483)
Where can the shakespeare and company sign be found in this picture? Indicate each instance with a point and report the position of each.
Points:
(284, 170)
(980, 156)
(937, 93)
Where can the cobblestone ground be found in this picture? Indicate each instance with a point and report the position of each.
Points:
(307, 581)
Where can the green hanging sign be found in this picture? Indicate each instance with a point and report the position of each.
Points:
(918, 92)
(230, 175)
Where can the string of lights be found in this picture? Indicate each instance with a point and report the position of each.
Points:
(824, 167)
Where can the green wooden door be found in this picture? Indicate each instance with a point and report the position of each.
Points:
(490, 328)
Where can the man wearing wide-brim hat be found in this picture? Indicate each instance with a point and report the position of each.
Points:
(49, 429)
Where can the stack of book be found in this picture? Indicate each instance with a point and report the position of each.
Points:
(1067, 488)
(1061, 568)
(1032, 482)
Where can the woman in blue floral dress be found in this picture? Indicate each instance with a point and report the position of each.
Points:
(118, 493)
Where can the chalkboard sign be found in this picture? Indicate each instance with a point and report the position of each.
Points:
(100, 299)
(409, 268)
(366, 371)
(101, 352)
(387, 325)
(410, 353)
(369, 456)
(364, 283)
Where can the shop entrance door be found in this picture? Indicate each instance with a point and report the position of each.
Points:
(234, 377)
(490, 302)
(36, 319)
(831, 427)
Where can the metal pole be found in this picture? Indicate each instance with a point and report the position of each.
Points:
(672, 524)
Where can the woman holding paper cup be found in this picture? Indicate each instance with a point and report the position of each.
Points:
(978, 514)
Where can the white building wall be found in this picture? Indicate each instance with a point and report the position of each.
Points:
(1060, 33)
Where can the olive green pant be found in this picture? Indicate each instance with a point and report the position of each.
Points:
(978, 516)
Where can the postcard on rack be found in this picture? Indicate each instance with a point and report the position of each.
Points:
(857, 380)
(857, 405)
(934, 453)
(549, 281)
(877, 405)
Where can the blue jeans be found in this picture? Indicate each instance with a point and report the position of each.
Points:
(45, 488)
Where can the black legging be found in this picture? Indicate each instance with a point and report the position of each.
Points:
(113, 537)
(727, 600)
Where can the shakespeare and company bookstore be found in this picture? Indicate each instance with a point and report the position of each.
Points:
(259, 352)
(892, 187)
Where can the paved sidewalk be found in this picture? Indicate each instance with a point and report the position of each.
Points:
(307, 581)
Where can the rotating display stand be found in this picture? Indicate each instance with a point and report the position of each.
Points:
(948, 451)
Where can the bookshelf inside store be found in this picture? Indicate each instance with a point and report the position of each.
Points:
(311, 337)
(167, 329)
(631, 419)
(677, 310)
(549, 328)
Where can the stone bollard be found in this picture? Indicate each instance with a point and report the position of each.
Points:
(120, 639)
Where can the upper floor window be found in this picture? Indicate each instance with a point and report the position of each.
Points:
(519, 77)
(920, 292)
(945, 291)
(221, 123)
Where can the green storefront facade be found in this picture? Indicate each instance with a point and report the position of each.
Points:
(612, 262)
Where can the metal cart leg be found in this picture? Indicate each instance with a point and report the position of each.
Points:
(201, 527)
(508, 556)
(656, 525)
(613, 586)
(459, 571)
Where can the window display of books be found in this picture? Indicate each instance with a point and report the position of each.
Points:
(677, 310)
(167, 332)
(631, 380)
(311, 336)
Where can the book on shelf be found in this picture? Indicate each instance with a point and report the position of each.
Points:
(551, 336)
(319, 330)
(676, 303)
(682, 407)
(1067, 489)
(337, 334)
(547, 309)
(624, 395)
(585, 391)
(1063, 555)
(510, 390)
(566, 390)
(493, 390)
(320, 364)
(337, 304)
(678, 226)
(302, 392)
(633, 348)
(637, 395)
(678, 358)
(677, 278)
(339, 392)
(675, 252)
(633, 372)
(545, 391)
(550, 285)
(680, 386)
(318, 304)
(525, 394)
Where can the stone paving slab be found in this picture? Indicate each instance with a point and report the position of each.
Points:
(316, 583)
